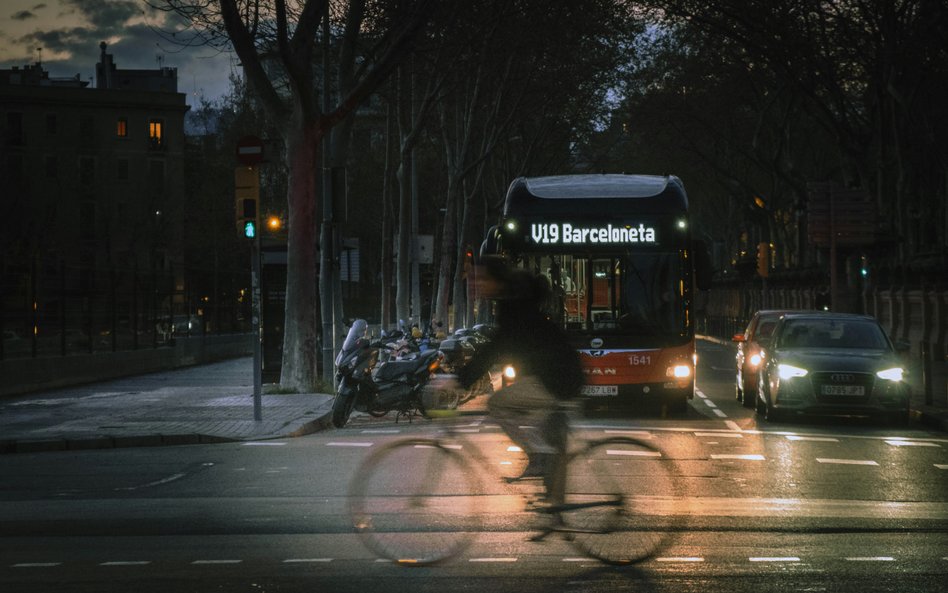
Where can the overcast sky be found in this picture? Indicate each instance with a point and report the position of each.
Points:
(69, 33)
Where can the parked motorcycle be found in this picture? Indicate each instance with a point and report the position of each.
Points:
(392, 385)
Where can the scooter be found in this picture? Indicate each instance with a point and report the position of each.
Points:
(377, 389)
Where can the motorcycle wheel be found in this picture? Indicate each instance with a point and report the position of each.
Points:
(377, 413)
(342, 407)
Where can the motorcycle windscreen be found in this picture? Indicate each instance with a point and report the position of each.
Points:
(352, 338)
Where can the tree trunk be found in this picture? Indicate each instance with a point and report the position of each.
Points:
(300, 351)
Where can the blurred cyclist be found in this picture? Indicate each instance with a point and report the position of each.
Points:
(548, 368)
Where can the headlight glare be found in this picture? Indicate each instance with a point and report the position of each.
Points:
(755, 360)
(679, 371)
(893, 374)
(787, 371)
(510, 372)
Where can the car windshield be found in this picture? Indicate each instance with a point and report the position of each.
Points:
(765, 328)
(832, 333)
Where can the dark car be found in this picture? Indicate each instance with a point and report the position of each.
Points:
(831, 363)
(749, 344)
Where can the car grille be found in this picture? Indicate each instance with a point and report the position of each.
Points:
(842, 382)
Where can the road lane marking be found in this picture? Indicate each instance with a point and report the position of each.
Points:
(348, 444)
(305, 560)
(871, 559)
(710, 403)
(846, 461)
(680, 559)
(727, 435)
(36, 564)
(492, 560)
(941, 465)
(514, 449)
(796, 437)
(774, 559)
(747, 457)
(904, 443)
(217, 562)
(125, 563)
(733, 425)
(636, 453)
(720, 413)
(642, 434)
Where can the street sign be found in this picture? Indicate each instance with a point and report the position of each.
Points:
(249, 151)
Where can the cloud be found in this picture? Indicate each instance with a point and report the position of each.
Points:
(106, 15)
(23, 15)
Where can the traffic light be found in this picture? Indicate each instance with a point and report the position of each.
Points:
(763, 259)
(247, 194)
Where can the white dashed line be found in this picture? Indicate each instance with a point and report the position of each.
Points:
(348, 444)
(901, 443)
(941, 465)
(642, 434)
(125, 563)
(719, 413)
(796, 437)
(492, 560)
(727, 435)
(846, 461)
(872, 559)
(733, 425)
(774, 559)
(36, 564)
(633, 453)
(747, 457)
(710, 403)
(681, 559)
(514, 449)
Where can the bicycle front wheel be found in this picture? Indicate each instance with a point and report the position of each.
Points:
(619, 500)
(413, 502)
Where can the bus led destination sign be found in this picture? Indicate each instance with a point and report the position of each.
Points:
(567, 233)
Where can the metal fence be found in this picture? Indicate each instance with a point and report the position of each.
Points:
(56, 309)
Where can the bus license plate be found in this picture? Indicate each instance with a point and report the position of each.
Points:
(843, 390)
(600, 390)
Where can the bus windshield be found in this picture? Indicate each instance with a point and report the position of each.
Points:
(631, 292)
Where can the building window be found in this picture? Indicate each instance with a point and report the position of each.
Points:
(52, 167)
(51, 124)
(156, 138)
(121, 170)
(86, 171)
(15, 129)
(121, 127)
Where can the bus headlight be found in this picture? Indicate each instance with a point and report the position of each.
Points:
(679, 371)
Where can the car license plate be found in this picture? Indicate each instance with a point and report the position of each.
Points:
(600, 390)
(843, 390)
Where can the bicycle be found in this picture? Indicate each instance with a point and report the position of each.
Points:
(614, 498)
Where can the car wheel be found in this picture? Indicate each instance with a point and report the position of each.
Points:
(759, 405)
(750, 397)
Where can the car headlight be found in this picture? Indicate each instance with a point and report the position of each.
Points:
(510, 372)
(755, 360)
(679, 371)
(787, 371)
(893, 374)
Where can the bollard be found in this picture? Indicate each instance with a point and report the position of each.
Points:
(927, 373)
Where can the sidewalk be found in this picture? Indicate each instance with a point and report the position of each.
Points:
(204, 404)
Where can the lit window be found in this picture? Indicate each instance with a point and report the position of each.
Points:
(155, 133)
(121, 127)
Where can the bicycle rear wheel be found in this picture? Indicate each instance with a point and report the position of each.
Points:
(620, 500)
(413, 502)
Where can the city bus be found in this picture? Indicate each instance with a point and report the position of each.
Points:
(618, 252)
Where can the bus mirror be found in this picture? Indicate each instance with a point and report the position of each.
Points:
(702, 264)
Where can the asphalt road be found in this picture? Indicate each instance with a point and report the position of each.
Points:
(826, 505)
